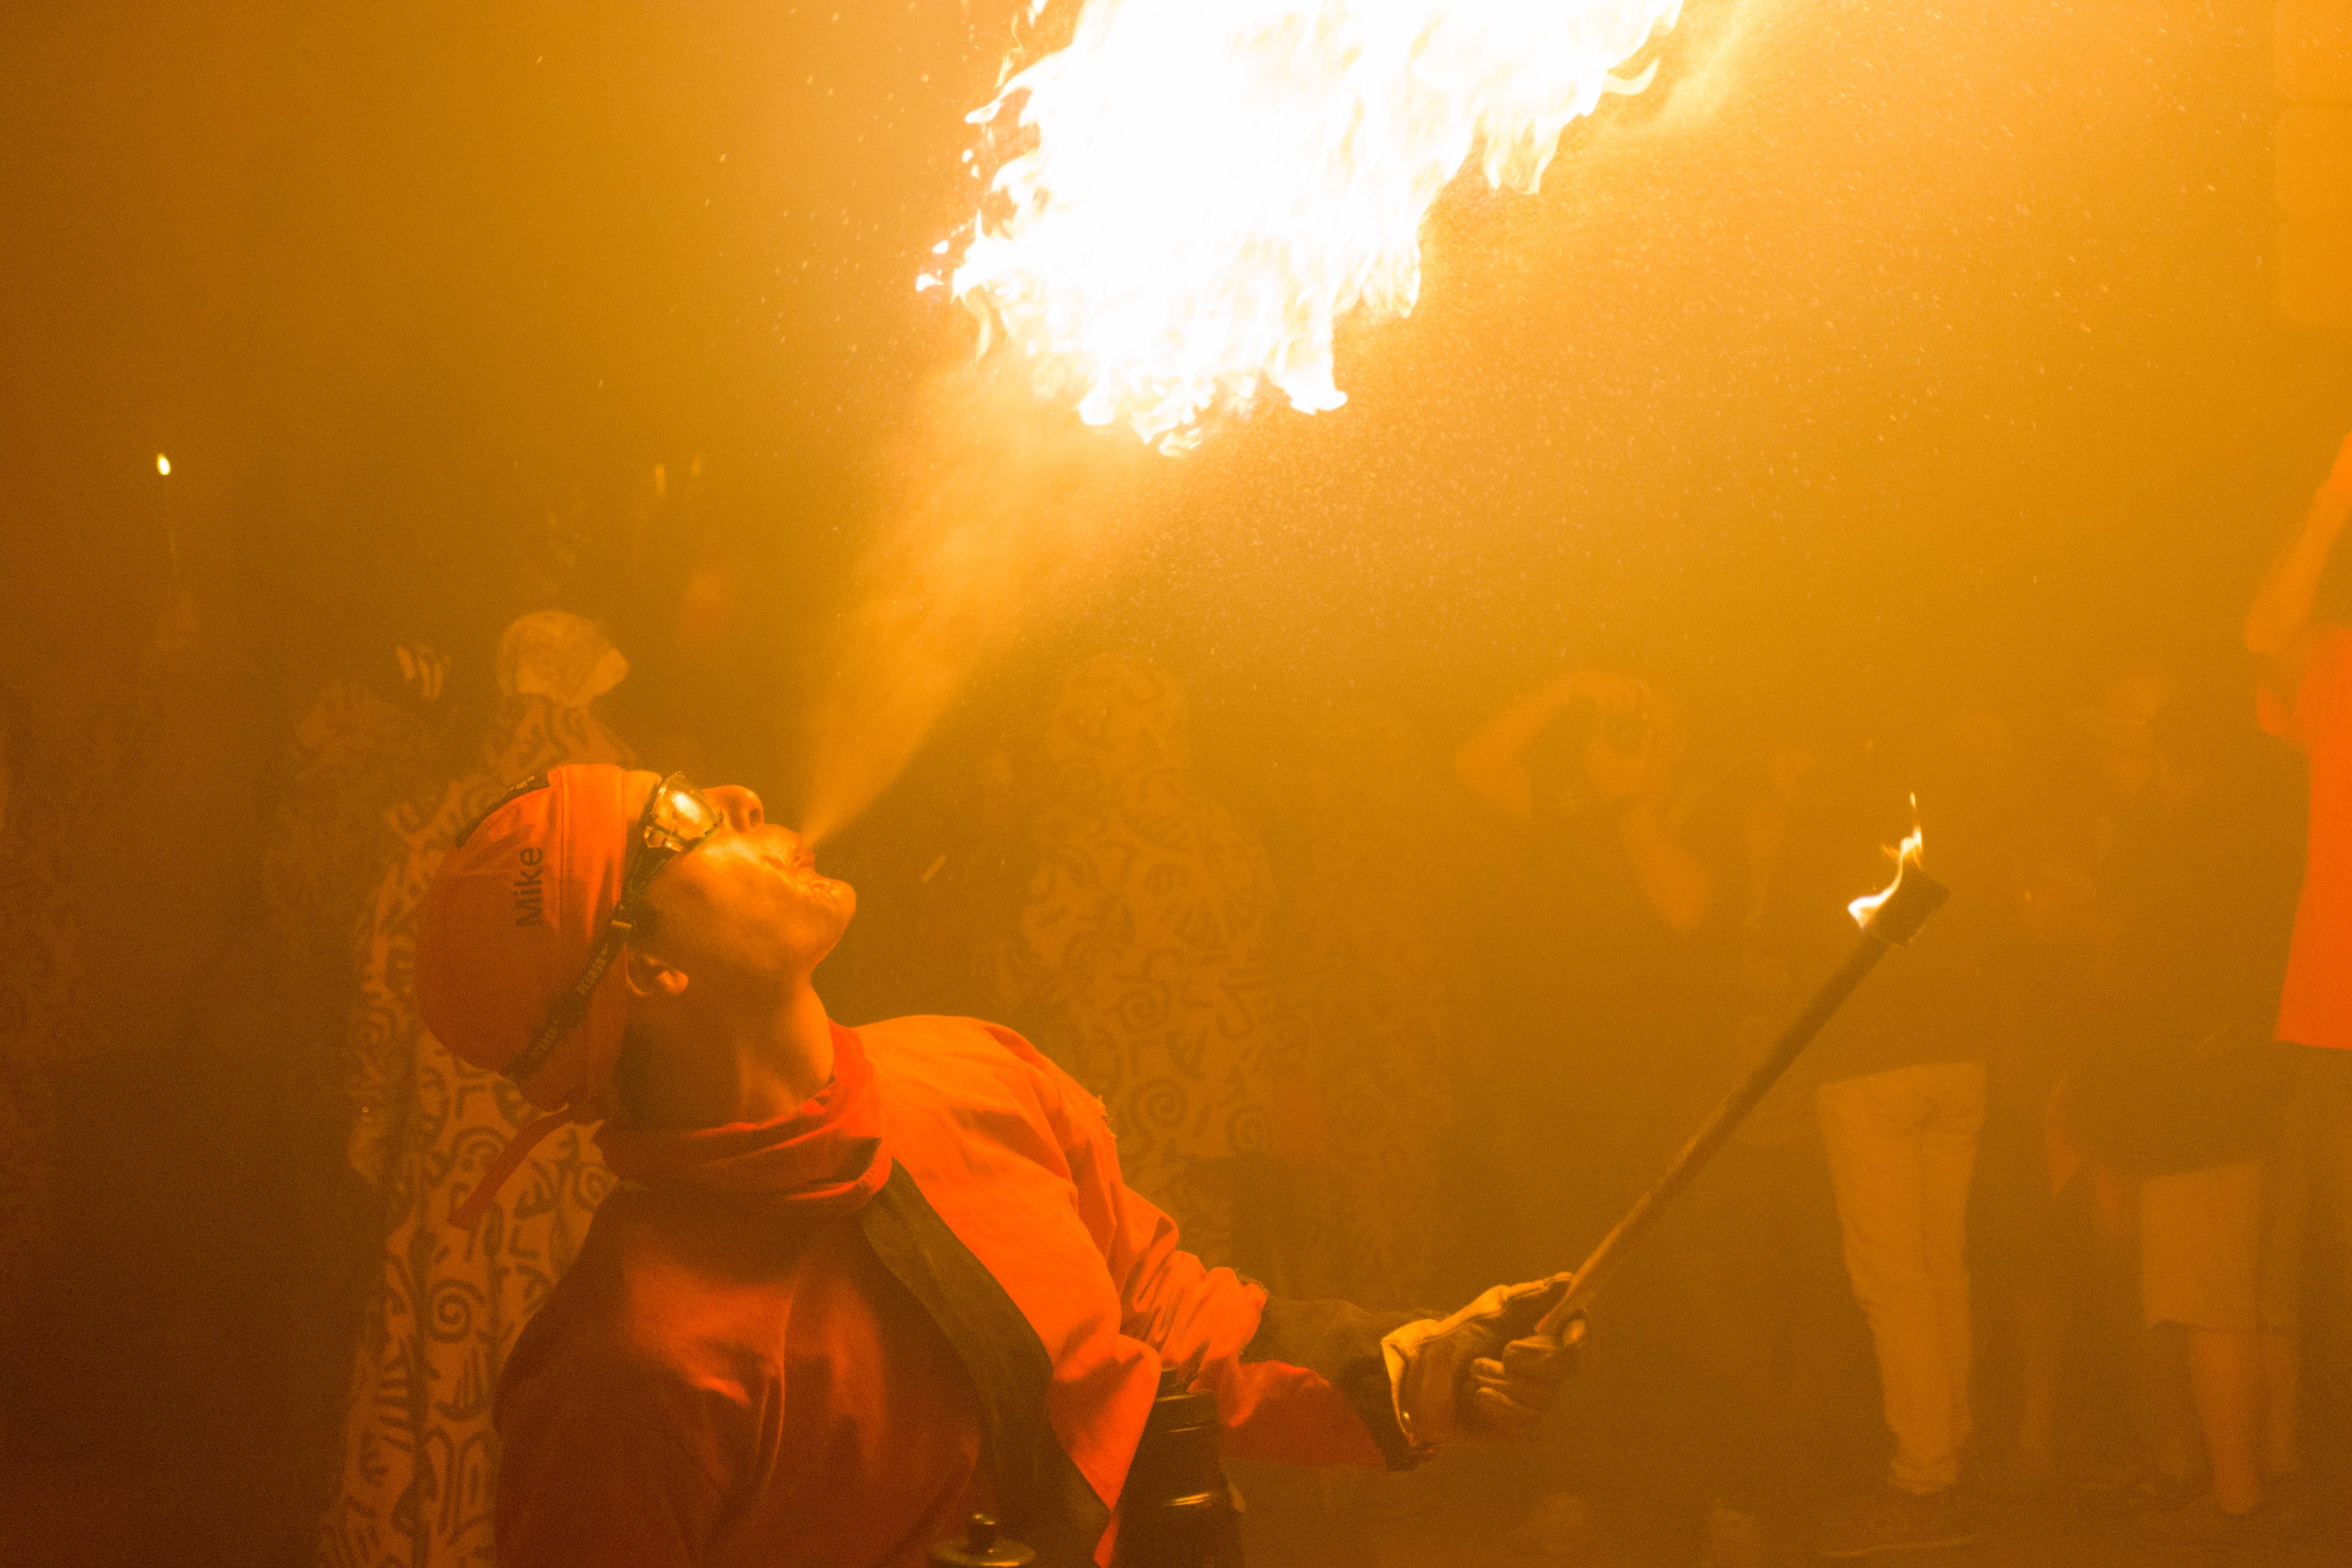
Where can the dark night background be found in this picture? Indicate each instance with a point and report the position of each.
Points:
(1882, 354)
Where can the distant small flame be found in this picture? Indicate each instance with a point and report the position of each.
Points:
(163, 464)
(1862, 908)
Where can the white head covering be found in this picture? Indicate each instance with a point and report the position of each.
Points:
(558, 655)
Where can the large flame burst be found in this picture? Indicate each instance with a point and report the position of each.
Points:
(1204, 188)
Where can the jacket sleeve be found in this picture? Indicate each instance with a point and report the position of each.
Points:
(1299, 1383)
(2320, 696)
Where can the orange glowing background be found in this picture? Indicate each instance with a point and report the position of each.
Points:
(1873, 357)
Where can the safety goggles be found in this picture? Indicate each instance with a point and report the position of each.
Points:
(677, 817)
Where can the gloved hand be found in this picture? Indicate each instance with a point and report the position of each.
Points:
(1483, 1372)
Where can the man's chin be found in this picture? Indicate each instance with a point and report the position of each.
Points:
(832, 901)
(837, 917)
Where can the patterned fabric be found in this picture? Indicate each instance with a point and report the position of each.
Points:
(1142, 954)
(419, 1460)
(355, 754)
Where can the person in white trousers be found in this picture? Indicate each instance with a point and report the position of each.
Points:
(1902, 1148)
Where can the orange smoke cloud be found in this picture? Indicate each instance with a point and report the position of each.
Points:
(998, 513)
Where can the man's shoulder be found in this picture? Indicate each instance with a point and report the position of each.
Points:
(949, 1053)
(933, 1032)
(976, 1074)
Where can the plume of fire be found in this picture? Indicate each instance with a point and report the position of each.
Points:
(1913, 848)
(1199, 192)
(1205, 188)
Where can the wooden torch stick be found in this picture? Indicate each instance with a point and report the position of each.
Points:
(1896, 918)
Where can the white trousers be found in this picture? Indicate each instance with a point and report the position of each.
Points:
(1902, 1150)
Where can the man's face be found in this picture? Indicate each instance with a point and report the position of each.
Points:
(747, 907)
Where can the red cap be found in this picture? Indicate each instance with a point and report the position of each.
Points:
(509, 926)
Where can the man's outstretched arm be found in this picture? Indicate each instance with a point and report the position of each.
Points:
(1310, 1383)
(2278, 628)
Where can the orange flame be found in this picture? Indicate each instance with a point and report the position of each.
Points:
(1910, 854)
(1211, 185)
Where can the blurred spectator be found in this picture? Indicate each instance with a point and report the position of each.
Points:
(360, 747)
(2153, 1459)
(1768, 1283)
(418, 1457)
(44, 1006)
(1902, 1108)
(1370, 960)
(2029, 1215)
(1618, 985)
(1143, 957)
(277, 1005)
(2178, 1086)
(49, 803)
(2301, 626)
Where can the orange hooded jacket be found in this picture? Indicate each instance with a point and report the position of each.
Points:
(745, 1367)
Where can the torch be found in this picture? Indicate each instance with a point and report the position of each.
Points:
(1889, 918)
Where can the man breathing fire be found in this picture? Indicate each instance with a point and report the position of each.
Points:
(854, 1284)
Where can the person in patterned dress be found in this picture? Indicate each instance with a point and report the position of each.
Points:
(1142, 958)
(418, 1466)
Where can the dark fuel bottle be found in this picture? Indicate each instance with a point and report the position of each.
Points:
(1178, 1508)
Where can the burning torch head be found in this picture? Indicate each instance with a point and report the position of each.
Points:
(1895, 915)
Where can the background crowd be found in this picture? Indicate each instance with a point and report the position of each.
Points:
(2049, 1215)
(1877, 404)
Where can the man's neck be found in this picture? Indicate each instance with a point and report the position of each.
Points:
(724, 1066)
(785, 1058)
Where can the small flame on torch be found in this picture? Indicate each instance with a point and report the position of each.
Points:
(162, 465)
(1862, 908)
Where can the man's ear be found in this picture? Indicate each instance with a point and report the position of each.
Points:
(649, 976)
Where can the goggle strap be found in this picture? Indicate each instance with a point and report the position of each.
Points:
(565, 1015)
(573, 1006)
(530, 785)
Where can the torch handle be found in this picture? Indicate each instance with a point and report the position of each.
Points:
(1869, 948)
